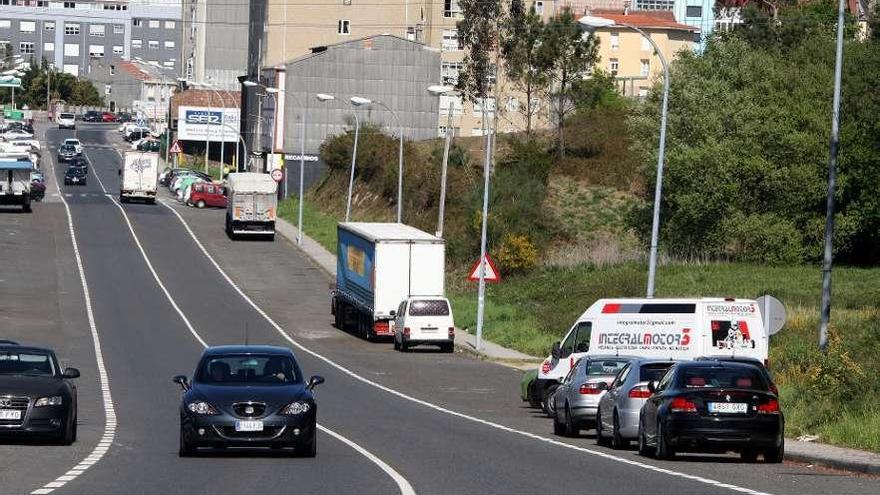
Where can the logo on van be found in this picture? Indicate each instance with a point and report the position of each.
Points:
(632, 340)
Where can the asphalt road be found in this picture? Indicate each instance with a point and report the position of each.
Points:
(444, 423)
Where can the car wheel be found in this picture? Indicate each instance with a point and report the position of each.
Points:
(558, 428)
(73, 430)
(404, 345)
(447, 348)
(617, 441)
(643, 444)
(396, 345)
(308, 448)
(65, 437)
(775, 455)
(200, 204)
(547, 400)
(570, 429)
(664, 451)
(600, 433)
(534, 400)
(186, 447)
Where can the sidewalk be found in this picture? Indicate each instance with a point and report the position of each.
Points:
(833, 457)
(463, 340)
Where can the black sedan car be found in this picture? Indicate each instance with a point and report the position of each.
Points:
(712, 406)
(79, 161)
(75, 175)
(37, 398)
(248, 396)
(67, 152)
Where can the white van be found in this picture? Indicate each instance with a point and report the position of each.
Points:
(66, 120)
(677, 329)
(424, 320)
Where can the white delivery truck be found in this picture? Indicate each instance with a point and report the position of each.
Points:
(380, 265)
(252, 204)
(15, 182)
(139, 176)
(675, 329)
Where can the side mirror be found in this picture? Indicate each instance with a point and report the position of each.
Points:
(71, 373)
(652, 387)
(555, 351)
(181, 380)
(315, 381)
(393, 313)
(602, 386)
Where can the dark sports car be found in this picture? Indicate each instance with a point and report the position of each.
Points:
(248, 396)
(37, 398)
(712, 406)
(75, 175)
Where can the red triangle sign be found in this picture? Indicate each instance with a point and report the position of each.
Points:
(491, 271)
(175, 148)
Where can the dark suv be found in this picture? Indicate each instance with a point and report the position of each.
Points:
(93, 116)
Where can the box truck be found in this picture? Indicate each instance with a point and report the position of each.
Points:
(379, 265)
(252, 204)
(139, 176)
(15, 182)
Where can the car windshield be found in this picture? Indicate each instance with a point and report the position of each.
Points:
(434, 307)
(66, 116)
(605, 366)
(68, 147)
(653, 372)
(26, 363)
(248, 369)
(723, 377)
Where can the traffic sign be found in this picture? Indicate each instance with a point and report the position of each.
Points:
(773, 313)
(175, 147)
(277, 175)
(491, 273)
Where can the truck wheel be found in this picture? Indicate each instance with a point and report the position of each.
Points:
(338, 314)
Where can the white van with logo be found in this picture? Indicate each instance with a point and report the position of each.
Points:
(676, 329)
(424, 320)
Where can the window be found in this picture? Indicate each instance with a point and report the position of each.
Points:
(27, 26)
(477, 131)
(693, 11)
(451, 8)
(71, 69)
(343, 26)
(539, 7)
(645, 68)
(478, 106)
(613, 65)
(154, 45)
(5, 24)
(69, 5)
(112, 70)
(621, 377)
(71, 28)
(457, 105)
(615, 40)
(49, 25)
(441, 132)
(136, 43)
(96, 30)
(71, 50)
(169, 45)
(154, 24)
(26, 47)
(96, 51)
(170, 24)
(108, 89)
(450, 40)
(429, 307)
(655, 4)
(578, 339)
(646, 44)
(48, 47)
(118, 29)
(449, 72)
(118, 50)
(137, 23)
(169, 63)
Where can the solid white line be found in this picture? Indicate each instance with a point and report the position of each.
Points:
(104, 378)
(402, 483)
(92, 169)
(356, 376)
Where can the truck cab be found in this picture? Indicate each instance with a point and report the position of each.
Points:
(424, 321)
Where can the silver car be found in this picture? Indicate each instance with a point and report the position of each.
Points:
(576, 400)
(617, 421)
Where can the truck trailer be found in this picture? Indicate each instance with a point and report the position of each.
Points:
(379, 265)
(139, 176)
(15, 182)
(252, 204)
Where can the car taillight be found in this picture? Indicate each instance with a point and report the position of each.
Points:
(451, 332)
(381, 327)
(590, 389)
(680, 404)
(546, 367)
(769, 407)
(406, 331)
(639, 392)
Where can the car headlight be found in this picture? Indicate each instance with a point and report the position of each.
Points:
(296, 408)
(201, 407)
(55, 400)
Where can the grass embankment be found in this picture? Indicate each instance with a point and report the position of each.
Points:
(830, 396)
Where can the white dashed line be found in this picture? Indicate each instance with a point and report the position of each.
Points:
(109, 409)
(497, 426)
(403, 485)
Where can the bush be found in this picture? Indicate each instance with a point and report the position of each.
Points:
(760, 238)
(517, 254)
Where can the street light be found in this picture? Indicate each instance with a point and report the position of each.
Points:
(591, 23)
(440, 91)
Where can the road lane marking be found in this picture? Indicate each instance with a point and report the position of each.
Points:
(110, 424)
(94, 172)
(403, 485)
(497, 426)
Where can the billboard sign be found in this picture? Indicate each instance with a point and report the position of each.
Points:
(203, 123)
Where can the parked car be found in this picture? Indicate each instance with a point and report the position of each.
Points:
(38, 190)
(576, 400)
(136, 133)
(76, 143)
(424, 321)
(37, 176)
(108, 117)
(75, 176)
(67, 152)
(178, 178)
(617, 420)
(205, 194)
(712, 406)
(92, 116)
(14, 134)
(123, 117)
(151, 145)
(66, 120)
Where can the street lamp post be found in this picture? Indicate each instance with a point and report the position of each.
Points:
(439, 91)
(592, 23)
(222, 126)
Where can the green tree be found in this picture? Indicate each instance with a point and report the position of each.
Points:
(568, 54)
(478, 35)
(523, 33)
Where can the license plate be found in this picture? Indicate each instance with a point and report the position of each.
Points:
(728, 407)
(429, 329)
(10, 414)
(248, 426)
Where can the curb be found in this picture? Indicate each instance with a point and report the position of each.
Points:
(852, 465)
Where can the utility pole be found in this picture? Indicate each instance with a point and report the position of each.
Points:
(825, 316)
(443, 171)
(481, 290)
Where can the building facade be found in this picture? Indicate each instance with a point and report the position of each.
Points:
(133, 86)
(70, 35)
(215, 39)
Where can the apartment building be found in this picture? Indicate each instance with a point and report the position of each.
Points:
(70, 34)
(215, 40)
(134, 86)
